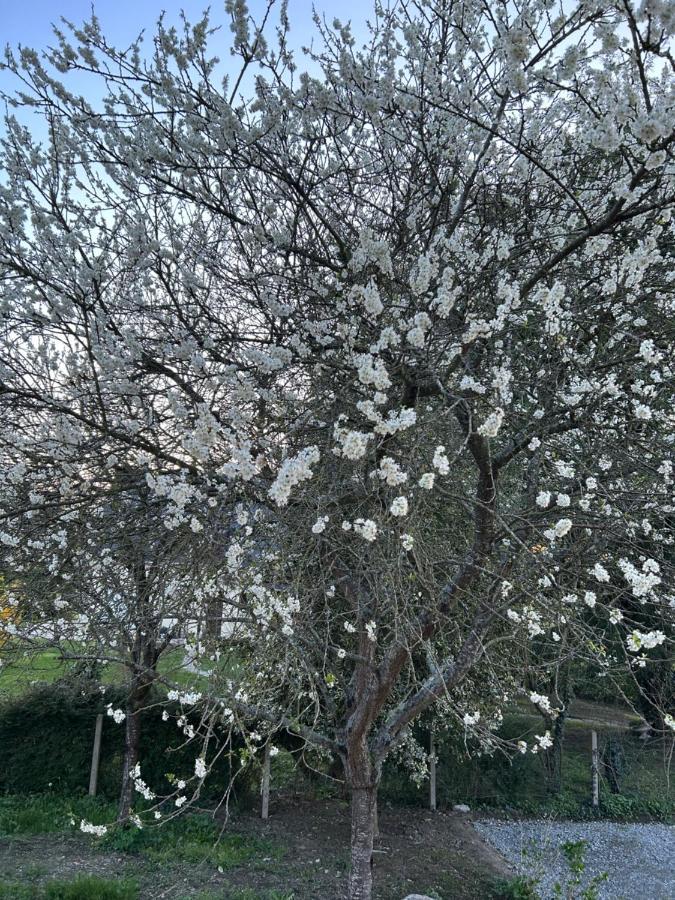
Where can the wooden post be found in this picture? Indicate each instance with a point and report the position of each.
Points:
(432, 771)
(95, 755)
(595, 770)
(266, 784)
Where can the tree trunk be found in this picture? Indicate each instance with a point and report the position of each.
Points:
(131, 746)
(553, 756)
(138, 694)
(363, 828)
(363, 783)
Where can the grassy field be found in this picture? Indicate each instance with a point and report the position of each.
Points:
(20, 672)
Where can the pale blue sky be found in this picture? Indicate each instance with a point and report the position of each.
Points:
(29, 21)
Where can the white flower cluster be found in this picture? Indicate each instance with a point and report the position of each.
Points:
(354, 444)
(560, 529)
(542, 701)
(117, 715)
(644, 640)
(88, 828)
(320, 525)
(293, 471)
(366, 528)
(185, 698)
(642, 582)
(599, 572)
(399, 506)
(372, 371)
(200, 767)
(139, 785)
(390, 472)
(427, 481)
(490, 427)
(440, 461)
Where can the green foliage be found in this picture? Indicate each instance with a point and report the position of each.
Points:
(524, 887)
(46, 735)
(519, 888)
(84, 887)
(518, 784)
(574, 889)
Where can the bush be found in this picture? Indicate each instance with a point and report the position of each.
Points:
(47, 734)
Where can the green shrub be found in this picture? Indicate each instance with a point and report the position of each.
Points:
(46, 735)
(519, 888)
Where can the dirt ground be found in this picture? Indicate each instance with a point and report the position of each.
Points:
(418, 851)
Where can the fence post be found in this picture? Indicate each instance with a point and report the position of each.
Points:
(595, 770)
(266, 783)
(95, 755)
(432, 771)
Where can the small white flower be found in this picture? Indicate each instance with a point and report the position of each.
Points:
(600, 572)
(490, 427)
(427, 481)
(440, 461)
(399, 506)
(320, 525)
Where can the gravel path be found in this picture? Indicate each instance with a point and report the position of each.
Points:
(639, 858)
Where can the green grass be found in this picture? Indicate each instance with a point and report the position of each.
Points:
(20, 672)
(84, 887)
(47, 814)
(191, 839)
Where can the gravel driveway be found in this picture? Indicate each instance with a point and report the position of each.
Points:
(639, 858)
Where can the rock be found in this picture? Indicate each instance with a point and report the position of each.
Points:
(461, 808)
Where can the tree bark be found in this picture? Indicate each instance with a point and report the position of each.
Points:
(553, 756)
(138, 695)
(363, 828)
(131, 746)
(363, 783)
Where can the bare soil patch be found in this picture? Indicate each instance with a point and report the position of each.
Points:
(417, 851)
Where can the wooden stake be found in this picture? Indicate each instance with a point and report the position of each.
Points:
(95, 755)
(266, 784)
(432, 772)
(595, 769)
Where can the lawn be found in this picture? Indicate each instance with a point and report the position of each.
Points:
(19, 672)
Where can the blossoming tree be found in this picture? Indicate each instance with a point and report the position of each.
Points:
(408, 317)
(95, 573)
